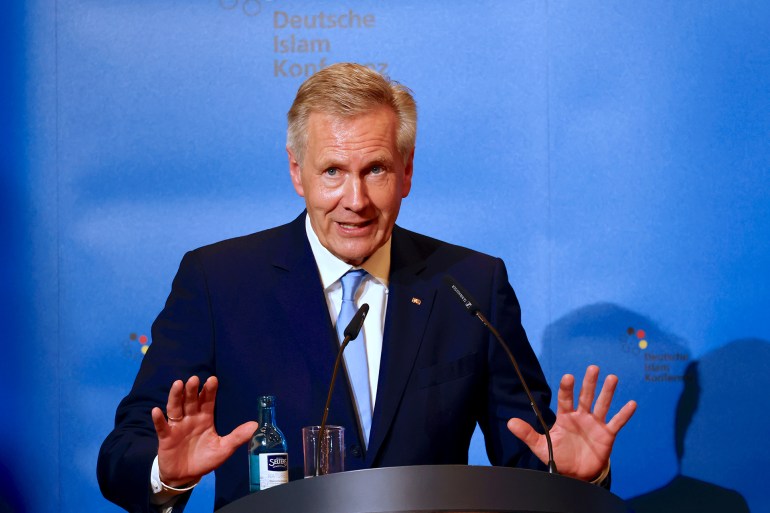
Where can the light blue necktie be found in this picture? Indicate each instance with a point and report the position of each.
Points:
(355, 354)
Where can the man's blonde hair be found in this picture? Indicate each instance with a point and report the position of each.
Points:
(347, 90)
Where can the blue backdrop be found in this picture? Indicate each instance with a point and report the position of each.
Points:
(616, 155)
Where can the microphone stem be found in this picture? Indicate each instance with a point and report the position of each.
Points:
(322, 428)
(350, 333)
(551, 462)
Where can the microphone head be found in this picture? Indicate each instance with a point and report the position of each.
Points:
(462, 295)
(356, 323)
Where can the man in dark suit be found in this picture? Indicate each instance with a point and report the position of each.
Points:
(255, 315)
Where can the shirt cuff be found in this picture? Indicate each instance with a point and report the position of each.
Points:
(163, 493)
(603, 475)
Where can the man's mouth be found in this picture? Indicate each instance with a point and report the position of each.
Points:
(353, 226)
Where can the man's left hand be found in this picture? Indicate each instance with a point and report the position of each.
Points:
(582, 439)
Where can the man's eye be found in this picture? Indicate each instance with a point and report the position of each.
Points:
(332, 171)
(376, 170)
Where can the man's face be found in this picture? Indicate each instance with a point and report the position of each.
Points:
(353, 180)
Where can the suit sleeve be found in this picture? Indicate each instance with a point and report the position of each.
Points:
(182, 346)
(506, 397)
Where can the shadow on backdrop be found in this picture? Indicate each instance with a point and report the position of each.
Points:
(722, 444)
(686, 494)
(650, 364)
(725, 443)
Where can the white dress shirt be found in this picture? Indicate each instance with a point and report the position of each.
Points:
(373, 290)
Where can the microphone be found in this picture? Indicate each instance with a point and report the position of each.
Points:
(351, 333)
(463, 295)
(356, 323)
(471, 305)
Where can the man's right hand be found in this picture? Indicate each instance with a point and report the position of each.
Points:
(189, 446)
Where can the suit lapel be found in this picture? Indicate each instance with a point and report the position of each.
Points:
(300, 289)
(410, 301)
(301, 292)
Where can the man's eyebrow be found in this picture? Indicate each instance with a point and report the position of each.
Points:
(379, 160)
(328, 161)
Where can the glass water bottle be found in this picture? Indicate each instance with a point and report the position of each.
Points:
(268, 453)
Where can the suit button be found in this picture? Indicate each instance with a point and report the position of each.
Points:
(355, 450)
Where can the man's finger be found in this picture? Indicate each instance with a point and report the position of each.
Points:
(174, 406)
(191, 406)
(240, 435)
(566, 395)
(208, 395)
(159, 420)
(524, 432)
(624, 415)
(529, 436)
(604, 401)
(588, 389)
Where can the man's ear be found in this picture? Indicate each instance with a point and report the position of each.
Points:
(295, 170)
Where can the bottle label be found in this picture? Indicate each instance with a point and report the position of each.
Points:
(273, 469)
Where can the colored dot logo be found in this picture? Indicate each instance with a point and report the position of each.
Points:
(634, 340)
(640, 335)
(142, 340)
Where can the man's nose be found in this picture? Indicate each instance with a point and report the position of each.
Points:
(355, 195)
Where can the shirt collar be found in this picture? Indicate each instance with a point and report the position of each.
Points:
(332, 268)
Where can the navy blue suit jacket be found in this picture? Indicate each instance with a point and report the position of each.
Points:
(252, 311)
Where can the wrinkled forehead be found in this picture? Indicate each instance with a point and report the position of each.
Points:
(379, 123)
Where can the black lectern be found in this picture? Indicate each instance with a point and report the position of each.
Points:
(437, 488)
